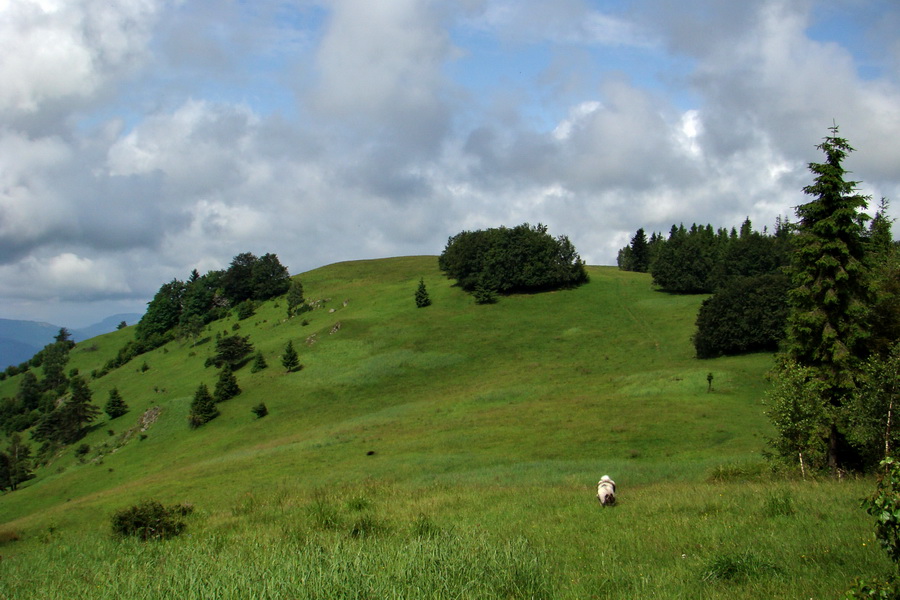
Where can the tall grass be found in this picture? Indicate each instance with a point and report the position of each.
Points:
(722, 540)
(254, 564)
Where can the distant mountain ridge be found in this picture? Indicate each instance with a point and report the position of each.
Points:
(20, 340)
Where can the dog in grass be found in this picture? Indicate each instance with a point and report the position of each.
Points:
(606, 491)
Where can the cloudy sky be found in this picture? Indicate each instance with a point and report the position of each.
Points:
(140, 139)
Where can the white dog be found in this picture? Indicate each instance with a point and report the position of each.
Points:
(606, 491)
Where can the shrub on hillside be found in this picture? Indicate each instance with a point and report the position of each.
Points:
(150, 520)
(747, 315)
(520, 259)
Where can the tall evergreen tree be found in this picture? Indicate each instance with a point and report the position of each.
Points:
(227, 386)
(16, 463)
(77, 412)
(115, 406)
(203, 408)
(827, 326)
(640, 252)
(54, 359)
(289, 358)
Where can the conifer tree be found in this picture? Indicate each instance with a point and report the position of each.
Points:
(203, 409)
(15, 463)
(259, 363)
(827, 326)
(77, 412)
(422, 299)
(115, 406)
(227, 385)
(640, 252)
(289, 358)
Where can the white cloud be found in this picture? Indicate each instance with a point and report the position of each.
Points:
(30, 209)
(65, 276)
(380, 70)
(59, 49)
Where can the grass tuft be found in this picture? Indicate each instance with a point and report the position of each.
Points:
(739, 472)
(737, 567)
(779, 504)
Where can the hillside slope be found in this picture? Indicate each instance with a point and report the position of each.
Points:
(452, 446)
(537, 388)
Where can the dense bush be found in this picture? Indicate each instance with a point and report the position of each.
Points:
(748, 315)
(150, 520)
(504, 260)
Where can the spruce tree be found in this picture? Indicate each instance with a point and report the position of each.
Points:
(77, 412)
(422, 299)
(289, 358)
(115, 406)
(227, 385)
(17, 463)
(827, 325)
(203, 408)
(259, 363)
(640, 252)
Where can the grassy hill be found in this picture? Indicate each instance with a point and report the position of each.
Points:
(450, 451)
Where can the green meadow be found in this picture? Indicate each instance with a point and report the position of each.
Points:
(451, 451)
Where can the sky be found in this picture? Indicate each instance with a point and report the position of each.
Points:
(141, 139)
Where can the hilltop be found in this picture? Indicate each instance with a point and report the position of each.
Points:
(496, 418)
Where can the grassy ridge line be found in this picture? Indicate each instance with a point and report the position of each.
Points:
(538, 388)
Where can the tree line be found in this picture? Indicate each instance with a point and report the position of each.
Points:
(182, 309)
(743, 269)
